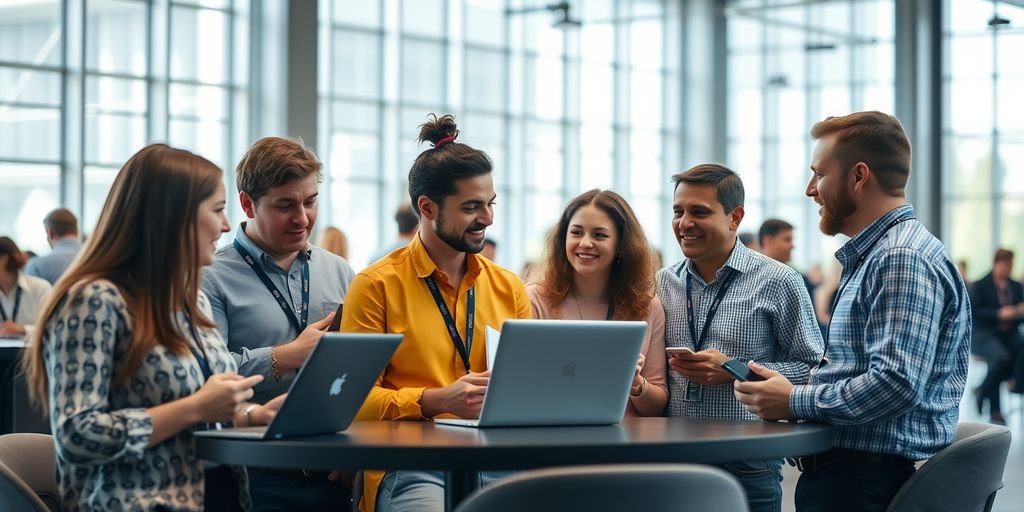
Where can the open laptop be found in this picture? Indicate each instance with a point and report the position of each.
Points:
(560, 372)
(328, 391)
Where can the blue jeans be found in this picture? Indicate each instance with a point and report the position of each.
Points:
(761, 481)
(419, 491)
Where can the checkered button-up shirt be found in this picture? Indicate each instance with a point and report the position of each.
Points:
(898, 344)
(765, 316)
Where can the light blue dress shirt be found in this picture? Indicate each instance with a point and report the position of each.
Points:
(250, 318)
(898, 344)
(51, 266)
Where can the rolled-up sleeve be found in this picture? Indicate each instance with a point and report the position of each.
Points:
(79, 355)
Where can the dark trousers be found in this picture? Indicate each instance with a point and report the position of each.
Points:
(850, 481)
(292, 491)
(221, 491)
(1003, 352)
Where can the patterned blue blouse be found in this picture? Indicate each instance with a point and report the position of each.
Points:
(101, 432)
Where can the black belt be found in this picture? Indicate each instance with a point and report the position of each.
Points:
(306, 473)
(843, 456)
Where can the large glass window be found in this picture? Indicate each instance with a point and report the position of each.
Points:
(791, 64)
(560, 109)
(983, 135)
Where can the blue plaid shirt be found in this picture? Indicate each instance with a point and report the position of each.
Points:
(765, 316)
(898, 344)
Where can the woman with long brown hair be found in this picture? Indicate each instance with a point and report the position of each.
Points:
(601, 267)
(126, 358)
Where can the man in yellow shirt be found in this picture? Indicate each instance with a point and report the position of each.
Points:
(441, 296)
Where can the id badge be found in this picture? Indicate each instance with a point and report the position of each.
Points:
(694, 392)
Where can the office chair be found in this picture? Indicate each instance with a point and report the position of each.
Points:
(28, 473)
(964, 477)
(612, 488)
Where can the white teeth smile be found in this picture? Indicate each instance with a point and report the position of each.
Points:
(586, 256)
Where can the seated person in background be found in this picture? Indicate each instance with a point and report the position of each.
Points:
(21, 295)
(437, 292)
(997, 305)
(62, 235)
(407, 223)
(126, 358)
(600, 267)
(334, 240)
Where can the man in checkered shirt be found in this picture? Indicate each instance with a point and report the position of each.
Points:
(726, 301)
(895, 365)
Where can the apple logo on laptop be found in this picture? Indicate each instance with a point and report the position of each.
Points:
(569, 371)
(337, 384)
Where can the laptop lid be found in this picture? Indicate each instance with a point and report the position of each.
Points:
(562, 372)
(329, 390)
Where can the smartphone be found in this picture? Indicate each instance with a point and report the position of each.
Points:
(336, 321)
(674, 351)
(740, 371)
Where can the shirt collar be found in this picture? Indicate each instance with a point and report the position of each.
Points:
(425, 266)
(862, 242)
(264, 258)
(741, 259)
(67, 243)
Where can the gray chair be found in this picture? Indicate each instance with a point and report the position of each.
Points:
(964, 477)
(617, 487)
(28, 473)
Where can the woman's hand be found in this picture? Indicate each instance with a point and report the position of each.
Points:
(220, 396)
(263, 414)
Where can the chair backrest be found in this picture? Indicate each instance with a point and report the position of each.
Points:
(963, 477)
(28, 473)
(612, 487)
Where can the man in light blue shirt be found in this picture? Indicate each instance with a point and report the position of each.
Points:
(273, 295)
(722, 301)
(62, 235)
(896, 350)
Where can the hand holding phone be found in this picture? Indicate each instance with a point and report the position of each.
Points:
(739, 370)
(675, 351)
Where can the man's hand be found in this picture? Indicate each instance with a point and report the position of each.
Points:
(293, 354)
(1007, 313)
(769, 398)
(704, 367)
(263, 414)
(463, 398)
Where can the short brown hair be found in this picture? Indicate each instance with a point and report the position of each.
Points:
(872, 137)
(273, 161)
(1002, 255)
(62, 222)
(727, 183)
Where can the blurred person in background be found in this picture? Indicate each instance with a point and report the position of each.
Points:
(20, 294)
(335, 241)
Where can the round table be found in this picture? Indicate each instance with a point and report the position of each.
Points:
(463, 452)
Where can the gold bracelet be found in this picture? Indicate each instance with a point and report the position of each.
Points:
(273, 365)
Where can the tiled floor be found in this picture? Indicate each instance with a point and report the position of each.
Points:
(1013, 477)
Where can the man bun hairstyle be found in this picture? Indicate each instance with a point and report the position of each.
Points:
(435, 170)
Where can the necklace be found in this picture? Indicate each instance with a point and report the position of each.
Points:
(577, 301)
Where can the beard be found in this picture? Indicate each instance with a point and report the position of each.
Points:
(457, 240)
(834, 213)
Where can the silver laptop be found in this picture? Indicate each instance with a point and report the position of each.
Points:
(327, 393)
(560, 372)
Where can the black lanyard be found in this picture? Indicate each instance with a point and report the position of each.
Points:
(296, 322)
(698, 343)
(842, 288)
(464, 348)
(198, 351)
(17, 303)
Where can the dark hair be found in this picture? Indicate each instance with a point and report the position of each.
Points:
(16, 259)
(406, 219)
(490, 241)
(631, 285)
(145, 244)
(62, 222)
(772, 227)
(727, 183)
(436, 170)
(274, 161)
(747, 238)
(875, 138)
(1002, 255)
